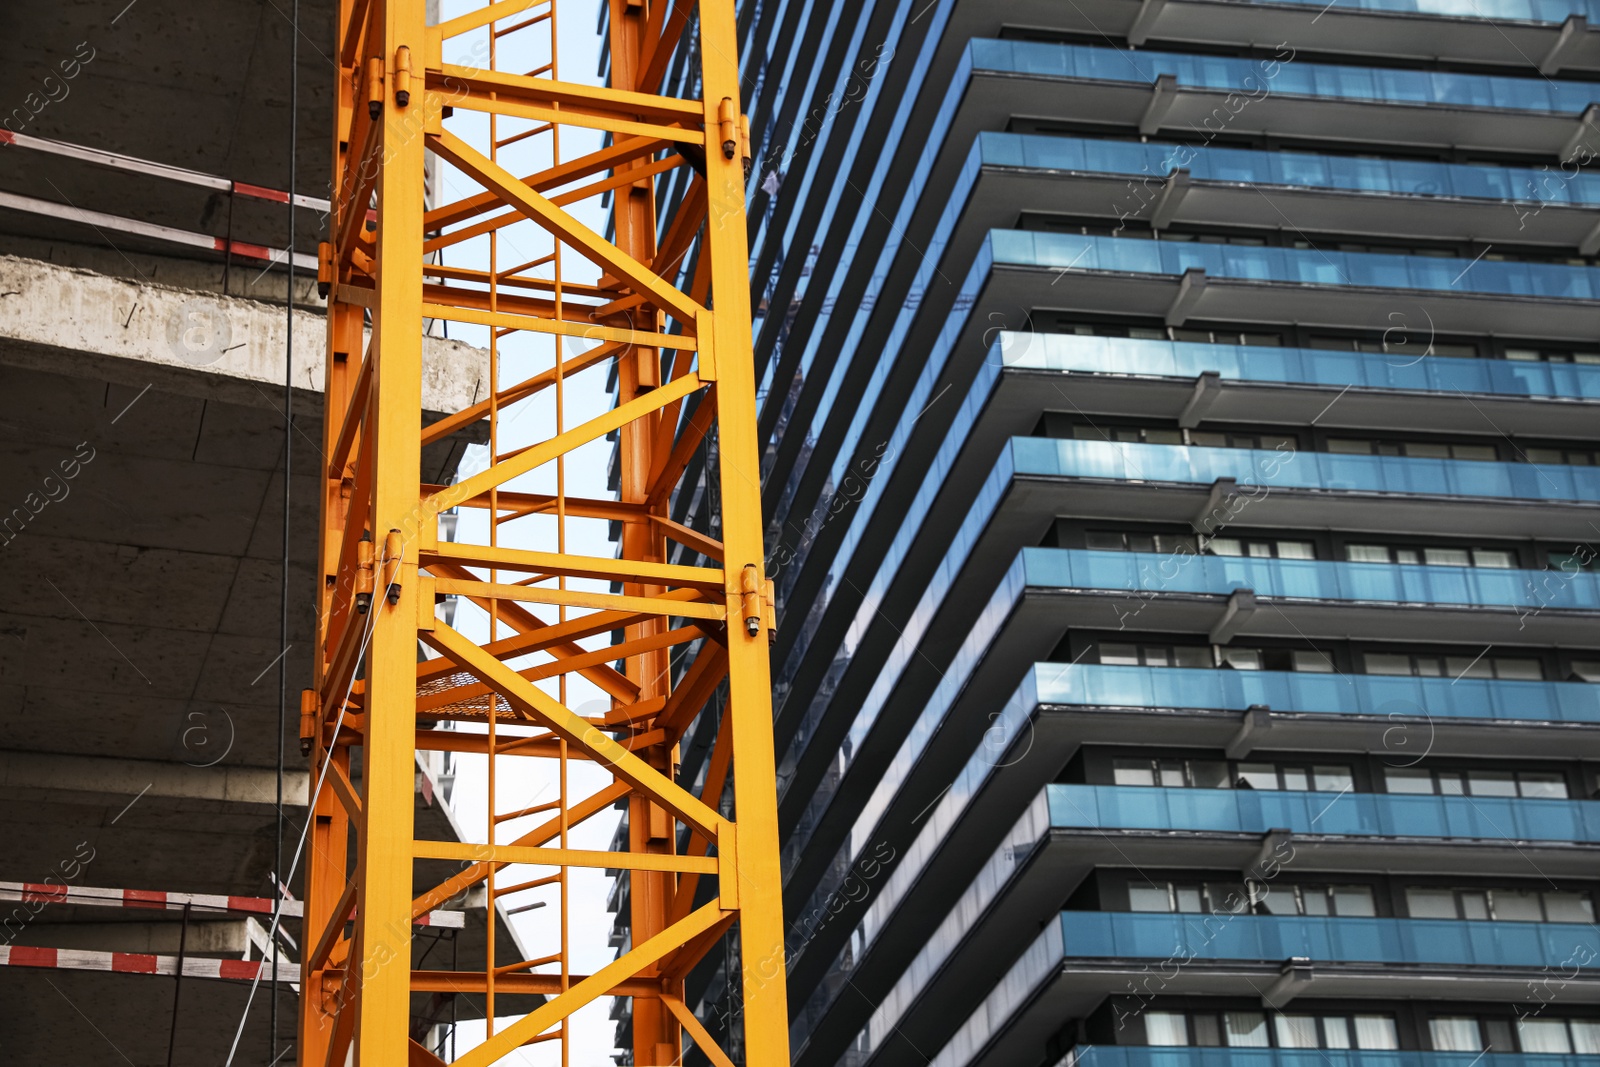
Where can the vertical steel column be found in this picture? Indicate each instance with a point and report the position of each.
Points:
(766, 1017)
(384, 852)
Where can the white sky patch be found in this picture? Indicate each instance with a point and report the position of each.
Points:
(525, 782)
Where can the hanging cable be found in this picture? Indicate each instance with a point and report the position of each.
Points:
(279, 884)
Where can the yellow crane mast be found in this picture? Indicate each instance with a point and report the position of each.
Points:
(692, 634)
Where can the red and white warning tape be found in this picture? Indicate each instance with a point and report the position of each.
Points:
(100, 220)
(156, 170)
(203, 903)
(144, 963)
(117, 223)
(35, 892)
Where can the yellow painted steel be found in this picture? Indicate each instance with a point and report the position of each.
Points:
(688, 614)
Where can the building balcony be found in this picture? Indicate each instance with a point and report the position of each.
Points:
(1390, 372)
(1220, 595)
(1091, 935)
(1317, 80)
(1229, 283)
(1196, 96)
(1060, 707)
(1216, 487)
(1148, 1056)
(1074, 962)
(1301, 266)
(1518, 594)
(1550, 11)
(1394, 816)
(1500, 32)
(1317, 471)
(1290, 170)
(1114, 376)
(1177, 183)
(1452, 701)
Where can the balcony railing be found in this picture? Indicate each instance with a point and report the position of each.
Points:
(1143, 573)
(1119, 807)
(1554, 11)
(1097, 685)
(1329, 939)
(1295, 366)
(1405, 475)
(1304, 169)
(1071, 252)
(1281, 76)
(1135, 1056)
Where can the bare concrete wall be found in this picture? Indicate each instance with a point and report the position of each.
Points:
(74, 321)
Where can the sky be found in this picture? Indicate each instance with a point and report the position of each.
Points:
(522, 783)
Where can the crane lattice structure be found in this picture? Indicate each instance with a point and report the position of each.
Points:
(664, 307)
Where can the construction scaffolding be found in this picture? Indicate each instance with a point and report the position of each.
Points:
(664, 307)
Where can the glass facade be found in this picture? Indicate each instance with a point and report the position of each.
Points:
(1139, 573)
(952, 295)
(1124, 808)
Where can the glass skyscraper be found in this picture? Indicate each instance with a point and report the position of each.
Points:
(1183, 473)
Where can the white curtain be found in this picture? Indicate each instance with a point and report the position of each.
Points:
(1376, 1031)
(1166, 1028)
(1455, 1033)
(1296, 1031)
(1247, 1029)
(1585, 1037)
(1543, 1035)
(1335, 1032)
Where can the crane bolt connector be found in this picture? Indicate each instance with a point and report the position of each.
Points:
(374, 87)
(728, 121)
(324, 269)
(364, 573)
(402, 76)
(750, 590)
(393, 548)
(308, 720)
